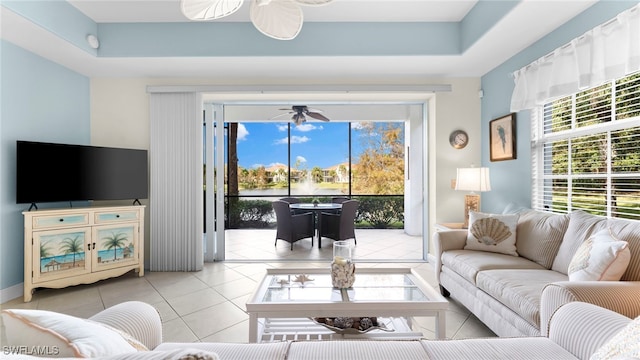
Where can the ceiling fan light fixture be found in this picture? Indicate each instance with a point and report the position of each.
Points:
(298, 118)
(281, 20)
(202, 10)
(312, 2)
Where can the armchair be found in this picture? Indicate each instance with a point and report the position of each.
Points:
(339, 226)
(292, 227)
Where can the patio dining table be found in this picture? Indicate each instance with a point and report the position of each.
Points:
(316, 209)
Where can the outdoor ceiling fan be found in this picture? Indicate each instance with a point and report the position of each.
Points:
(279, 19)
(300, 113)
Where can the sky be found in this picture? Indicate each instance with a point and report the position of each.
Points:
(323, 144)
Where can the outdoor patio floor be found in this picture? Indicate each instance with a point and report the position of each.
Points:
(380, 245)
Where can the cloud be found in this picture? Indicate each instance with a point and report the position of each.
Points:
(242, 132)
(307, 127)
(301, 159)
(282, 127)
(294, 140)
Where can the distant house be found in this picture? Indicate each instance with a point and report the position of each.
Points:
(338, 173)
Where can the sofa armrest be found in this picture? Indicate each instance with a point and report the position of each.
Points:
(619, 296)
(582, 328)
(444, 241)
(136, 318)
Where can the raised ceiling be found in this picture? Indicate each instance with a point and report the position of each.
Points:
(417, 39)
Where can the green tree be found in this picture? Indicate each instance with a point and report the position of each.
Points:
(72, 246)
(44, 250)
(380, 166)
(316, 174)
(115, 241)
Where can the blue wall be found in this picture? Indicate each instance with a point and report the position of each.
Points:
(41, 101)
(511, 179)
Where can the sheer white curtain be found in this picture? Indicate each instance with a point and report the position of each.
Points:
(176, 201)
(609, 51)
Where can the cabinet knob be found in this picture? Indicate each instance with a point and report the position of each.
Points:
(61, 220)
(117, 215)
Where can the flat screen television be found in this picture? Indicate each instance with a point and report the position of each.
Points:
(48, 172)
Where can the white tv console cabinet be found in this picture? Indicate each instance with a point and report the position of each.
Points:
(66, 247)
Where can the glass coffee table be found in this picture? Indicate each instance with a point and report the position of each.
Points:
(284, 308)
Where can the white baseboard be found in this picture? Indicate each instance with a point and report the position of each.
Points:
(12, 292)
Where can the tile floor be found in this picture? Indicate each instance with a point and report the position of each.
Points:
(209, 305)
(373, 245)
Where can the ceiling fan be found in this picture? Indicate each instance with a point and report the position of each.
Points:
(300, 113)
(279, 19)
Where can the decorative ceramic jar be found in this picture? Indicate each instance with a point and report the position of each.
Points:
(343, 270)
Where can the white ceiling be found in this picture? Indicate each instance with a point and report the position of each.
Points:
(529, 21)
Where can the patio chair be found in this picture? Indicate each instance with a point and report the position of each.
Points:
(292, 200)
(292, 227)
(339, 226)
(339, 199)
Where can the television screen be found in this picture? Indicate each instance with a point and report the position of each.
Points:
(48, 172)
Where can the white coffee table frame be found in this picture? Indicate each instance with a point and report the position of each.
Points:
(300, 311)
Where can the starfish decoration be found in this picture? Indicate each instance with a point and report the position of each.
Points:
(302, 279)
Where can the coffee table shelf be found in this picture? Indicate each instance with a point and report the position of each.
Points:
(305, 329)
(281, 308)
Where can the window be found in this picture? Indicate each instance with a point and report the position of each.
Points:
(586, 151)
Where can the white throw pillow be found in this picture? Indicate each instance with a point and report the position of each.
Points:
(51, 334)
(492, 232)
(623, 345)
(602, 257)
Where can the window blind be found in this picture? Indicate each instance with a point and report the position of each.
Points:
(586, 151)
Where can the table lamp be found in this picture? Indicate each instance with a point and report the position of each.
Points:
(473, 180)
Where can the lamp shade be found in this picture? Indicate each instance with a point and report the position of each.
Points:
(473, 179)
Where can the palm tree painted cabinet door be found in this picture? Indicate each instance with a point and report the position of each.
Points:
(62, 253)
(116, 245)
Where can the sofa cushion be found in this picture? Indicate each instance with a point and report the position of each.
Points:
(64, 335)
(629, 231)
(357, 350)
(581, 226)
(492, 232)
(263, 351)
(623, 345)
(539, 235)
(500, 348)
(468, 263)
(601, 258)
(518, 289)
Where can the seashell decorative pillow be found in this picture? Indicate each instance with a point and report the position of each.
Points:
(492, 232)
(601, 257)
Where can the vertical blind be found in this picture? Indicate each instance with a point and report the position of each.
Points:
(586, 151)
(176, 196)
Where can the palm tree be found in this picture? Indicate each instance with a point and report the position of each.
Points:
(114, 242)
(72, 246)
(44, 250)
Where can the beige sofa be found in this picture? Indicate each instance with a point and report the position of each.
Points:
(517, 295)
(577, 331)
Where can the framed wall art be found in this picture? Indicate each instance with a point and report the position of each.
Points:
(502, 138)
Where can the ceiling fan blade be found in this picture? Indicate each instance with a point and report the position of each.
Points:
(317, 116)
(209, 9)
(313, 2)
(281, 20)
(279, 116)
